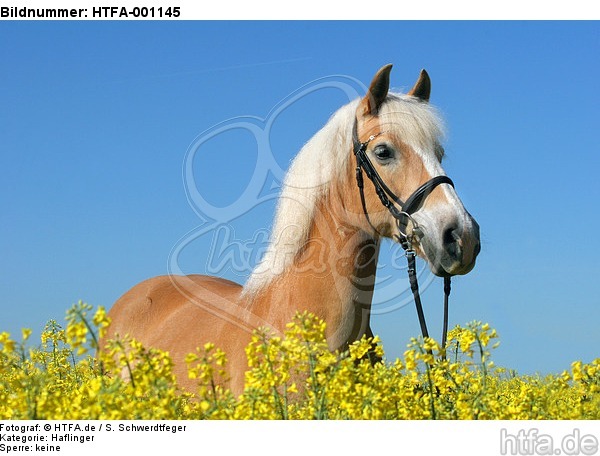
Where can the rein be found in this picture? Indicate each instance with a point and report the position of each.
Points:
(402, 213)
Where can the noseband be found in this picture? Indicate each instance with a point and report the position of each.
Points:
(402, 213)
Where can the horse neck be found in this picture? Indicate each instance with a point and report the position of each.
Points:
(332, 276)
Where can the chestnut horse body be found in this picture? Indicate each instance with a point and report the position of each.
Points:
(323, 251)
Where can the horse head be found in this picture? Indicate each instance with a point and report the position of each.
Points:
(397, 143)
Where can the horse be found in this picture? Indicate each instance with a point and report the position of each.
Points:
(325, 241)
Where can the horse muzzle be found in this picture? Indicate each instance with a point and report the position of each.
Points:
(455, 251)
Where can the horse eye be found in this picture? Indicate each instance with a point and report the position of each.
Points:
(383, 153)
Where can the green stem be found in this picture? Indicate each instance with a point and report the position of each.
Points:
(120, 345)
(89, 328)
(431, 397)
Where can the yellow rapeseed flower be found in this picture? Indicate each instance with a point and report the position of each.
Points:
(291, 376)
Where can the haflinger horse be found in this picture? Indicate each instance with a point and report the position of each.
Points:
(324, 245)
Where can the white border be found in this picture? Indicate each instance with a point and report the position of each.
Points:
(292, 438)
(344, 9)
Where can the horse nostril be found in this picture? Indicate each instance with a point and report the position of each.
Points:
(450, 235)
(451, 240)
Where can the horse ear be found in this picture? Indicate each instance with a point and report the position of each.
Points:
(378, 91)
(422, 88)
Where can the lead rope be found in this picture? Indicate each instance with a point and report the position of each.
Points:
(414, 286)
(447, 289)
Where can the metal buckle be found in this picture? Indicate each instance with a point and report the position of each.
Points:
(416, 234)
(410, 255)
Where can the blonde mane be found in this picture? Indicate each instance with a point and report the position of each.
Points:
(324, 158)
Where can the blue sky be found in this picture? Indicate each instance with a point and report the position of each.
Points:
(96, 119)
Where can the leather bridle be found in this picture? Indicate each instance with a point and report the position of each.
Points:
(402, 213)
